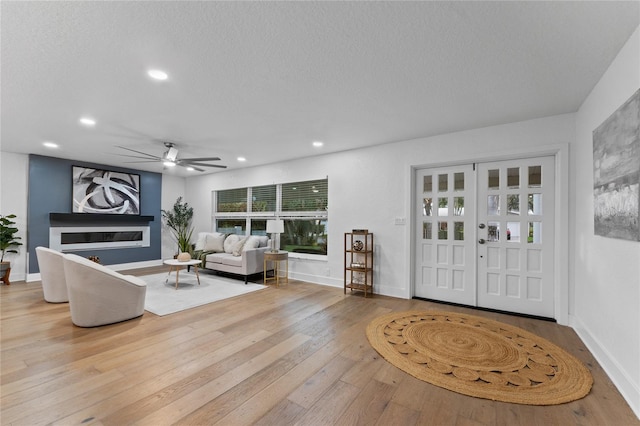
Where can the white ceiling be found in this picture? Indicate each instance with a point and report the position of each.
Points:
(265, 79)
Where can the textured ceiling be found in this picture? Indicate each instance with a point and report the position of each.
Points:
(264, 79)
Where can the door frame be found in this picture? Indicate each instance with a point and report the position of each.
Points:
(560, 152)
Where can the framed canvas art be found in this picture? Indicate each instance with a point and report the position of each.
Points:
(106, 192)
(616, 173)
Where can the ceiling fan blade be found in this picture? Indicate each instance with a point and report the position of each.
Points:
(201, 159)
(136, 156)
(143, 153)
(145, 161)
(188, 163)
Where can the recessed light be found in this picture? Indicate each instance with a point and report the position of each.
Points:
(190, 169)
(158, 75)
(318, 144)
(88, 121)
(169, 163)
(241, 159)
(50, 144)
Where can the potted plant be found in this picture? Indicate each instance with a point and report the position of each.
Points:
(179, 220)
(8, 239)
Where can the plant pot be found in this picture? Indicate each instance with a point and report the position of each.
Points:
(184, 257)
(5, 270)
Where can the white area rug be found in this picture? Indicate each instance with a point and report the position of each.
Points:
(163, 299)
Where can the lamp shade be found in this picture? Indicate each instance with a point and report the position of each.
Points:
(275, 226)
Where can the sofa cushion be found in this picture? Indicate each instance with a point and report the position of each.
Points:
(229, 242)
(214, 242)
(232, 260)
(215, 257)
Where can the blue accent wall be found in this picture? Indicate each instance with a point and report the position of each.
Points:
(50, 191)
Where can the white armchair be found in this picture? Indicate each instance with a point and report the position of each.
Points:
(54, 285)
(99, 295)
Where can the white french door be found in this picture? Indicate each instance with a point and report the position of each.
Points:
(485, 235)
(445, 246)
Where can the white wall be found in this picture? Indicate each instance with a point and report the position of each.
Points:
(606, 272)
(14, 172)
(369, 188)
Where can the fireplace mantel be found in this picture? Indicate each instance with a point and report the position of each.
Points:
(67, 219)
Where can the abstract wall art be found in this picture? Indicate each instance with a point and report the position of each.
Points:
(104, 191)
(616, 173)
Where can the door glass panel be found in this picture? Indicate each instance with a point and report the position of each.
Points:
(443, 206)
(535, 204)
(513, 204)
(426, 230)
(493, 231)
(442, 231)
(458, 231)
(427, 184)
(513, 232)
(535, 176)
(494, 179)
(443, 183)
(493, 205)
(427, 207)
(513, 177)
(535, 233)
(458, 206)
(458, 181)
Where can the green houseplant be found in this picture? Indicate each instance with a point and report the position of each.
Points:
(8, 236)
(179, 220)
(8, 239)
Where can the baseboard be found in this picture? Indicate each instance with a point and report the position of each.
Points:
(316, 279)
(629, 390)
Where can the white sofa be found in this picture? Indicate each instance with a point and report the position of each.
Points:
(99, 295)
(234, 254)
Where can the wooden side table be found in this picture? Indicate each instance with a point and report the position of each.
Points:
(276, 258)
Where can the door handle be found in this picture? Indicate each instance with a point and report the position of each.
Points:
(481, 241)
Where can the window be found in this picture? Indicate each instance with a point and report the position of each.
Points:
(302, 206)
(232, 200)
(263, 198)
(304, 196)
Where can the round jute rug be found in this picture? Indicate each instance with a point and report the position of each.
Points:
(479, 357)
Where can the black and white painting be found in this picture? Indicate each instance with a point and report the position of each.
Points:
(104, 191)
(616, 173)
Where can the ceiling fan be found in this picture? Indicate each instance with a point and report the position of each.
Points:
(170, 158)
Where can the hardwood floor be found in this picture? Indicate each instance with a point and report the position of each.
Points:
(296, 354)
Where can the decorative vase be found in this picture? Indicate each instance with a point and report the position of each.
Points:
(184, 257)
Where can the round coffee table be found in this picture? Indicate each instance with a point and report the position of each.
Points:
(177, 265)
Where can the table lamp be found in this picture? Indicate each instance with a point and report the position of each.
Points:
(275, 227)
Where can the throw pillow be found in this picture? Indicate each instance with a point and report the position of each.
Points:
(201, 241)
(252, 242)
(229, 242)
(264, 241)
(237, 247)
(215, 242)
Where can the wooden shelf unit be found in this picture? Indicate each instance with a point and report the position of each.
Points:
(358, 262)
